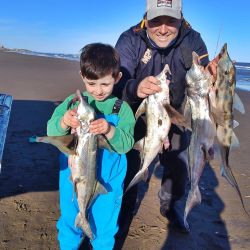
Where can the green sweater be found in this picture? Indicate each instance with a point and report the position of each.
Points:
(123, 138)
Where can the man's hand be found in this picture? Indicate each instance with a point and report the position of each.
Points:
(148, 86)
(212, 68)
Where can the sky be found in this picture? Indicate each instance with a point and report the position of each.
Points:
(62, 26)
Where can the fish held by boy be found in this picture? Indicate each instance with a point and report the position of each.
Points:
(203, 129)
(159, 115)
(82, 161)
(223, 101)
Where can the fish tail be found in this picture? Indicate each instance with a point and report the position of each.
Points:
(83, 223)
(53, 140)
(194, 197)
(138, 177)
(227, 173)
(33, 139)
(44, 139)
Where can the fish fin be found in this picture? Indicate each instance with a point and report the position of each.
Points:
(139, 145)
(75, 181)
(60, 142)
(141, 109)
(194, 197)
(187, 114)
(235, 124)
(227, 173)
(77, 221)
(102, 142)
(175, 116)
(234, 142)
(137, 178)
(100, 189)
(82, 222)
(65, 140)
(237, 104)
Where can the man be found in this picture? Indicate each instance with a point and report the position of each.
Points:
(163, 37)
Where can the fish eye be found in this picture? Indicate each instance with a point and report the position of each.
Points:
(226, 72)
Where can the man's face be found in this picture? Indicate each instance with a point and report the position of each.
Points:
(163, 30)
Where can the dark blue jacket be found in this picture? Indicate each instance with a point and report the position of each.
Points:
(132, 45)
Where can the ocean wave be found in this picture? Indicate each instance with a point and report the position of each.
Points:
(244, 79)
(243, 85)
(240, 67)
(74, 57)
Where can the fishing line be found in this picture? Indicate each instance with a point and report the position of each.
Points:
(216, 48)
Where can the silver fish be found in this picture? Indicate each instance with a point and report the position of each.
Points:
(223, 101)
(158, 117)
(203, 130)
(82, 162)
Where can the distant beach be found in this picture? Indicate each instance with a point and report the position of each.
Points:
(242, 68)
(30, 77)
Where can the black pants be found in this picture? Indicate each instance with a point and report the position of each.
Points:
(175, 166)
(173, 179)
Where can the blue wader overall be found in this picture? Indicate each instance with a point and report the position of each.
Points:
(103, 213)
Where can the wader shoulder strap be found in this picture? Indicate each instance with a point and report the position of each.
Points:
(117, 106)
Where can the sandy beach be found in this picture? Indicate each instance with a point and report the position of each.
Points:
(29, 198)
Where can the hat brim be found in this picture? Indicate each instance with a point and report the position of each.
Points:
(153, 13)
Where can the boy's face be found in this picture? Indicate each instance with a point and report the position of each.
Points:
(101, 88)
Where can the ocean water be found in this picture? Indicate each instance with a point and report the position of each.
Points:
(74, 57)
(243, 76)
(242, 69)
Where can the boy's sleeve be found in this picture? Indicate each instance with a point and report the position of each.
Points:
(53, 126)
(123, 138)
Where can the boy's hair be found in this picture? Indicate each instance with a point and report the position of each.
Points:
(98, 60)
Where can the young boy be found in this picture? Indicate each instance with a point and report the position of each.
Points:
(100, 71)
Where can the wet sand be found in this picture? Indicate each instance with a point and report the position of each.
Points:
(29, 198)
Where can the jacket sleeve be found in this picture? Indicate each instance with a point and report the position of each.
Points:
(54, 124)
(126, 88)
(201, 49)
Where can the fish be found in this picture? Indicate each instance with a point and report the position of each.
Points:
(224, 100)
(201, 147)
(159, 115)
(82, 162)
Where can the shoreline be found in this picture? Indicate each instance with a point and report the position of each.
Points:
(240, 85)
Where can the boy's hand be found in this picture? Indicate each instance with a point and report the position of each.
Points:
(100, 126)
(69, 119)
(148, 86)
